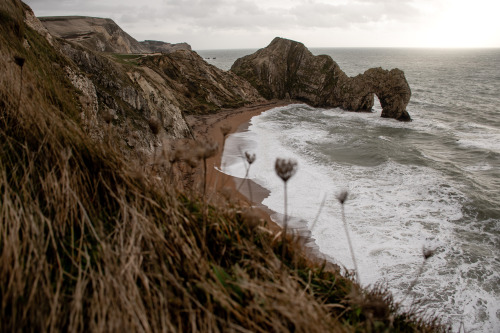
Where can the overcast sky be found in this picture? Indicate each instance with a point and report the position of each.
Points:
(225, 24)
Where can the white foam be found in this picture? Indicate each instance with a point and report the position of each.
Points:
(479, 136)
(482, 141)
(393, 211)
(420, 122)
(481, 166)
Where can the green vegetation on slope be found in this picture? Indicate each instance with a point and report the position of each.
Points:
(127, 58)
(92, 242)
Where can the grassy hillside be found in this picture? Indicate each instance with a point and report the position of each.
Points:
(90, 241)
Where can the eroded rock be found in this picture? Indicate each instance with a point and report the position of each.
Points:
(287, 69)
(199, 87)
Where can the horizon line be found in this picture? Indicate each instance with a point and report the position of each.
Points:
(367, 47)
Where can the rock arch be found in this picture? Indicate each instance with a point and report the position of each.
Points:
(287, 69)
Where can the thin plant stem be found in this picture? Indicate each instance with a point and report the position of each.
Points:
(249, 158)
(319, 213)
(246, 176)
(414, 282)
(350, 243)
(427, 253)
(285, 224)
(205, 208)
(109, 134)
(154, 159)
(249, 190)
(20, 91)
(285, 169)
(286, 204)
(204, 177)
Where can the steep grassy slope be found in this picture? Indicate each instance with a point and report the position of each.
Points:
(90, 241)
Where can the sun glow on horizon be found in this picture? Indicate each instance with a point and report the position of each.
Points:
(464, 24)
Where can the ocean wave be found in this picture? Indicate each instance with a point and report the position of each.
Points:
(396, 205)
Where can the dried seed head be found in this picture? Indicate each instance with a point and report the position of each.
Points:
(251, 218)
(209, 149)
(192, 162)
(343, 196)
(155, 125)
(166, 151)
(191, 150)
(285, 168)
(180, 149)
(195, 150)
(225, 129)
(227, 193)
(108, 115)
(176, 155)
(19, 61)
(427, 253)
(250, 157)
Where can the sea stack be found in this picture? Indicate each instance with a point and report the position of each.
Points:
(287, 69)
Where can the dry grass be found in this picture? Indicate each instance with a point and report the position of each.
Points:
(90, 242)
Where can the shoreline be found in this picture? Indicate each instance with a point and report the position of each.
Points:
(207, 127)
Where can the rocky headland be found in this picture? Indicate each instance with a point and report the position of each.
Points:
(126, 83)
(103, 35)
(287, 69)
(155, 46)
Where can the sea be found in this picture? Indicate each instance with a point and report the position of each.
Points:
(433, 183)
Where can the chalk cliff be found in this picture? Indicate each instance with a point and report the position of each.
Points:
(287, 69)
(103, 35)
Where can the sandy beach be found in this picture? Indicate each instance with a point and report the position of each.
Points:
(207, 127)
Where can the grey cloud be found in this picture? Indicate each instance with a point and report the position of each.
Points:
(236, 14)
(354, 13)
(305, 14)
(167, 19)
(81, 7)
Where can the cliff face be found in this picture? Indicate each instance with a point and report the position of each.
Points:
(127, 91)
(199, 87)
(97, 34)
(103, 35)
(287, 69)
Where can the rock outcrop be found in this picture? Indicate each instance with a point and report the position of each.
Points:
(154, 46)
(199, 87)
(287, 69)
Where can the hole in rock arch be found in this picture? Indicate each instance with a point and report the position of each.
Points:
(377, 108)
